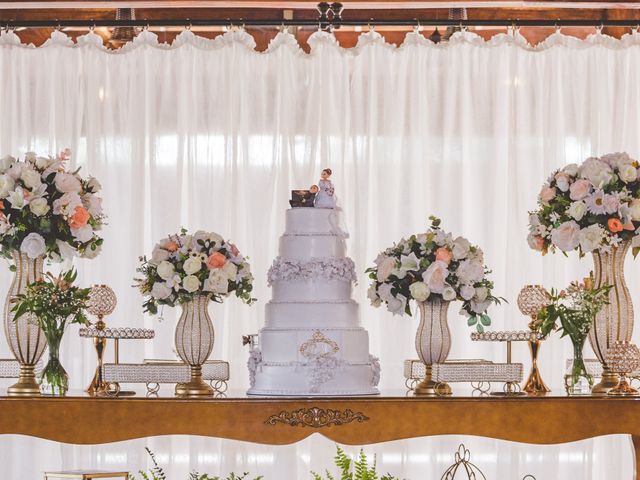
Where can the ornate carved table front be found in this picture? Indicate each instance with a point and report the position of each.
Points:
(546, 419)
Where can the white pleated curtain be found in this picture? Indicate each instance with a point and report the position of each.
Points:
(210, 134)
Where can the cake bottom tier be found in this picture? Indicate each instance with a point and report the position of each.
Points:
(299, 380)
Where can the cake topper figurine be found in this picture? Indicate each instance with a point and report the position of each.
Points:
(325, 197)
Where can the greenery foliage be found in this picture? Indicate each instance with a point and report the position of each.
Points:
(358, 469)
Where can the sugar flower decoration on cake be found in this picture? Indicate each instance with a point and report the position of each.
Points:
(183, 266)
(595, 205)
(47, 210)
(429, 266)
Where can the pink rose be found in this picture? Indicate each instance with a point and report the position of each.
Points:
(579, 189)
(547, 194)
(567, 236)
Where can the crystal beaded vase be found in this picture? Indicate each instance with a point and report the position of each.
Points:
(433, 342)
(615, 321)
(194, 343)
(26, 340)
(54, 379)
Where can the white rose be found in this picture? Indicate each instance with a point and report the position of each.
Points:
(470, 272)
(628, 173)
(158, 255)
(448, 294)
(571, 169)
(93, 204)
(596, 171)
(67, 183)
(83, 234)
(39, 206)
(435, 276)
(15, 170)
(33, 245)
(372, 295)
(591, 238)
(42, 162)
(31, 178)
(566, 236)
(482, 293)
(160, 290)
(191, 283)
(562, 181)
(94, 185)
(7, 185)
(480, 307)
(92, 251)
(577, 210)
(217, 282)
(397, 305)
(165, 270)
(634, 209)
(6, 162)
(461, 248)
(467, 292)
(230, 270)
(66, 204)
(385, 268)
(192, 265)
(419, 291)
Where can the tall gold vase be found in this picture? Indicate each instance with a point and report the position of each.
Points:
(433, 342)
(194, 343)
(26, 340)
(615, 320)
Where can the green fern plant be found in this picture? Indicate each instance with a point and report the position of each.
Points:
(157, 473)
(356, 470)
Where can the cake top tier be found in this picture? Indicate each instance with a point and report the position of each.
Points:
(313, 221)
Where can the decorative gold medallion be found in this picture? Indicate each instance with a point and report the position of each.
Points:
(318, 346)
(316, 417)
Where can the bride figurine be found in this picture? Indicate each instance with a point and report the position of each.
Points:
(325, 197)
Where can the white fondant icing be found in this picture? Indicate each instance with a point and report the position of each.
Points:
(292, 380)
(311, 315)
(312, 220)
(282, 345)
(310, 246)
(314, 290)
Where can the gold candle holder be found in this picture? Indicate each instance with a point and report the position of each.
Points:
(102, 302)
(531, 300)
(623, 358)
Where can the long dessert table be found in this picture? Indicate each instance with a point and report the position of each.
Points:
(554, 418)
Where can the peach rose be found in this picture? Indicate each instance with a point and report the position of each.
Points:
(444, 255)
(216, 260)
(547, 194)
(79, 218)
(170, 246)
(615, 225)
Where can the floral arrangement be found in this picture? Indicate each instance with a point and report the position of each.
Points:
(588, 207)
(575, 308)
(47, 210)
(313, 269)
(54, 302)
(429, 266)
(183, 266)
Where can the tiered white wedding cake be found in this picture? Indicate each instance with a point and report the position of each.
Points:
(312, 342)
